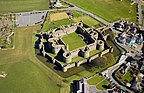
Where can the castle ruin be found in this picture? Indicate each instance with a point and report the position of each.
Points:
(94, 40)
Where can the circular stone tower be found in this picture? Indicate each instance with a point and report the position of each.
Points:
(86, 52)
(100, 45)
(67, 57)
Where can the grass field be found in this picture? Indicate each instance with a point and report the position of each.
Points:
(58, 16)
(25, 77)
(63, 20)
(92, 53)
(101, 85)
(22, 5)
(110, 10)
(87, 20)
(74, 41)
(95, 80)
(127, 77)
(52, 25)
(99, 81)
(77, 14)
(26, 74)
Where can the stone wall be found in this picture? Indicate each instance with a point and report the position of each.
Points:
(81, 62)
(48, 57)
(75, 52)
(56, 44)
(58, 63)
(63, 31)
(77, 64)
(100, 45)
(80, 52)
(67, 57)
(86, 34)
(93, 57)
(92, 46)
(105, 52)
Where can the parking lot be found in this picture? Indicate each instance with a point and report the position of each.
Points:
(30, 18)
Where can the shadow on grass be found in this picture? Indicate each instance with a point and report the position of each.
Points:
(75, 70)
(72, 71)
(105, 86)
(73, 87)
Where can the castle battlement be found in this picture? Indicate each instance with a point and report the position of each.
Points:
(93, 39)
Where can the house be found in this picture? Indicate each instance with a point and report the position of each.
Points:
(130, 33)
(80, 86)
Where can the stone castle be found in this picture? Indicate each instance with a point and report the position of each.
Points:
(94, 40)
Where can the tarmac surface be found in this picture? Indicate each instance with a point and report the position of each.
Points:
(30, 18)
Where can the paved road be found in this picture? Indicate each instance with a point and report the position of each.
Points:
(93, 89)
(94, 16)
(139, 1)
(112, 69)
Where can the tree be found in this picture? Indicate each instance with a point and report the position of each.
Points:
(110, 86)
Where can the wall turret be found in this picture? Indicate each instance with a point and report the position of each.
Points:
(67, 57)
(64, 69)
(85, 52)
(100, 45)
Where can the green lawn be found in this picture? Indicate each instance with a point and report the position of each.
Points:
(78, 58)
(99, 81)
(95, 80)
(94, 52)
(78, 16)
(142, 7)
(102, 84)
(52, 25)
(110, 10)
(128, 76)
(22, 5)
(25, 77)
(73, 41)
(26, 74)
(87, 20)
